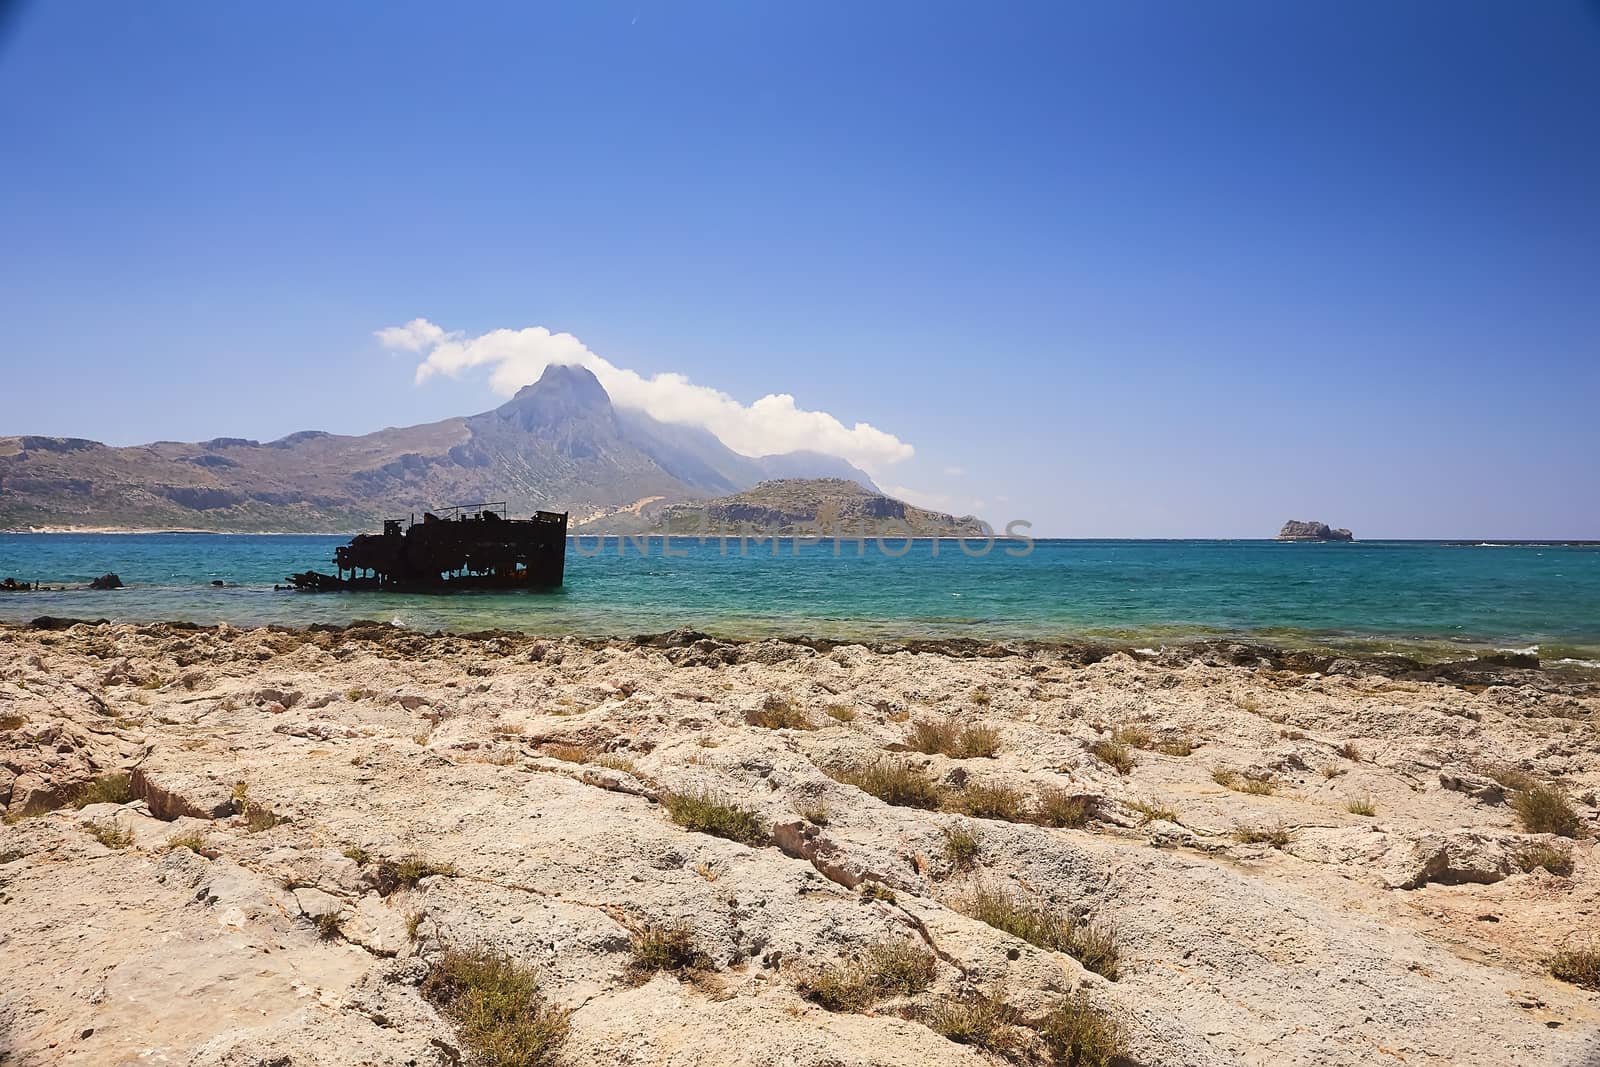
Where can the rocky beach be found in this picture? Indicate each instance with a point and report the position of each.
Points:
(337, 845)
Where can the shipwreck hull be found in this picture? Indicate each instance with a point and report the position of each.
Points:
(475, 547)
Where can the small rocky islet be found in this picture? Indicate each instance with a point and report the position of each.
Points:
(1297, 530)
(682, 850)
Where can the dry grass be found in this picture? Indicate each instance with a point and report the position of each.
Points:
(1057, 807)
(895, 782)
(110, 834)
(841, 712)
(328, 925)
(1176, 746)
(1076, 1034)
(1350, 752)
(1537, 855)
(1151, 811)
(1277, 835)
(877, 891)
(1254, 783)
(1544, 809)
(1035, 922)
(668, 948)
(980, 696)
(816, 813)
(497, 1009)
(389, 875)
(1114, 754)
(976, 1020)
(10, 722)
(990, 800)
(569, 753)
(780, 713)
(1362, 805)
(961, 847)
(258, 817)
(1134, 736)
(707, 813)
(193, 840)
(360, 855)
(1332, 771)
(946, 738)
(889, 968)
(1579, 966)
(1518, 781)
(613, 762)
(106, 789)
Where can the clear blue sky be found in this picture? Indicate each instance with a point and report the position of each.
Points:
(1149, 268)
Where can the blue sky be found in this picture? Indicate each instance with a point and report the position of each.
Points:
(1136, 269)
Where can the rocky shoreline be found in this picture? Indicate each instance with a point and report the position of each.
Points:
(803, 851)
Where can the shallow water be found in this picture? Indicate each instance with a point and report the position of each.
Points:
(1369, 596)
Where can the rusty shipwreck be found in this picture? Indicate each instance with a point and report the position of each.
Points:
(470, 546)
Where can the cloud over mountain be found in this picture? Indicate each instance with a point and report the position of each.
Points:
(774, 423)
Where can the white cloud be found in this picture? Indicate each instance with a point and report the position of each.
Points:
(774, 423)
(414, 336)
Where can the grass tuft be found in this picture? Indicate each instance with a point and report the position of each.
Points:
(815, 812)
(1579, 966)
(1151, 811)
(1134, 736)
(1518, 781)
(1175, 746)
(780, 713)
(961, 847)
(496, 1006)
(258, 817)
(1114, 754)
(886, 969)
(1076, 1034)
(1057, 807)
(107, 789)
(110, 834)
(708, 814)
(328, 925)
(668, 948)
(355, 852)
(841, 712)
(389, 875)
(895, 782)
(1536, 855)
(976, 1020)
(1362, 805)
(10, 722)
(947, 738)
(1035, 922)
(1544, 809)
(1350, 752)
(194, 841)
(990, 800)
(1277, 835)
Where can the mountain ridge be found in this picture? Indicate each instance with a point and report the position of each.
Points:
(559, 443)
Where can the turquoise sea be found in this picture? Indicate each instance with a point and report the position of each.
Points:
(1367, 596)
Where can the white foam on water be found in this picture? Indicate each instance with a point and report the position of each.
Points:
(1146, 651)
(1578, 662)
(1531, 650)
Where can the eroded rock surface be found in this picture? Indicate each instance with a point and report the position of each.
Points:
(245, 904)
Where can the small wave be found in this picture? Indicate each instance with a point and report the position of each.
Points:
(1531, 650)
(1490, 544)
(1147, 652)
(1577, 662)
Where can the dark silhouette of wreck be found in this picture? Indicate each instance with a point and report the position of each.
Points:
(470, 546)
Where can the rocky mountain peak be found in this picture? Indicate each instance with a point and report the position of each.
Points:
(562, 392)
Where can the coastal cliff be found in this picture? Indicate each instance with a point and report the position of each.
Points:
(1295, 530)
